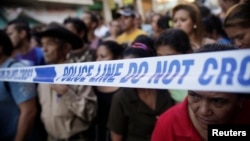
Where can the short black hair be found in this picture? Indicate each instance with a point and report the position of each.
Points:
(140, 48)
(213, 23)
(6, 43)
(115, 48)
(175, 38)
(21, 25)
(148, 41)
(79, 25)
(164, 22)
(215, 47)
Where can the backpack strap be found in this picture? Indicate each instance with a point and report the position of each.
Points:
(6, 83)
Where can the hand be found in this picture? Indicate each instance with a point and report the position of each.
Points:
(60, 88)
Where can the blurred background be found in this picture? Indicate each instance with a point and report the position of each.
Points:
(39, 12)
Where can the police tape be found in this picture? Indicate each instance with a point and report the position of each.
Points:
(227, 71)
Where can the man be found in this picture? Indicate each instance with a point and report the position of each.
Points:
(19, 33)
(131, 30)
(67, 110)
(78, 27)
(17, 100)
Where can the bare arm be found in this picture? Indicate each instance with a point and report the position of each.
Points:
(28, 112)
(116, 137)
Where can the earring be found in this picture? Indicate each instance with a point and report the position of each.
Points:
(195, 26)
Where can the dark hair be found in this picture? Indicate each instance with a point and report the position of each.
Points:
(163, 22)
(79, 25)
(205, 11)
(238, 15)
(148, 41)
(5, 43)
(215, 47)
(212, 23)
(176, 39)
(138, 50)
(93, 17)
(195, 15)
(115, 48)
(20, 25)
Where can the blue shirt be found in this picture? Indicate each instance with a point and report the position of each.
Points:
(34, 56)
(9, 101)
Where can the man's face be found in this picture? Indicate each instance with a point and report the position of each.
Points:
(53, 53)
(14, 35)
(211, 107)
(127, 22)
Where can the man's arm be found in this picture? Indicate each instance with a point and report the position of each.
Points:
(28, 111)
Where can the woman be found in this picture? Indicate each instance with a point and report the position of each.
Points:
(108, 50)
(189, 120)
(214, 29)
(188, 18)
(237, 24)
(173, 42)
(114, 30)
(133, 115)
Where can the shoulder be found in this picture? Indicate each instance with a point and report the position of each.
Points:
(176, 113)
(208, 41)
(12, 63)
(139, 31)
(38, 49)
(121, 36)
(124, 94)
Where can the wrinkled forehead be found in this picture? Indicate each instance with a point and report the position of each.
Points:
(212, 94)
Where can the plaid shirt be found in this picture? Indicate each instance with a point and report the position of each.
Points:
(81, 55)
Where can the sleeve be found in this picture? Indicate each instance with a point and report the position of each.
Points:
(20, 91)
(163, 130)
(118, 121)
(83, 103)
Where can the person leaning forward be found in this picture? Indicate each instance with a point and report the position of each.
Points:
(67, 110)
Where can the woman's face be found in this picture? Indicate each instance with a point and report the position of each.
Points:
(115, 27)
(182, 20)
(103, 54)
(240, 36)
(154, 20)
(211, 107)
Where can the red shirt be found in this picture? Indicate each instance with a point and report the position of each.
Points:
(175, 124)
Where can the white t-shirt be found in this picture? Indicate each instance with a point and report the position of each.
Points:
(101, 31)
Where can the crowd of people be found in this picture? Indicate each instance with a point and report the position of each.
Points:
(58, 112)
